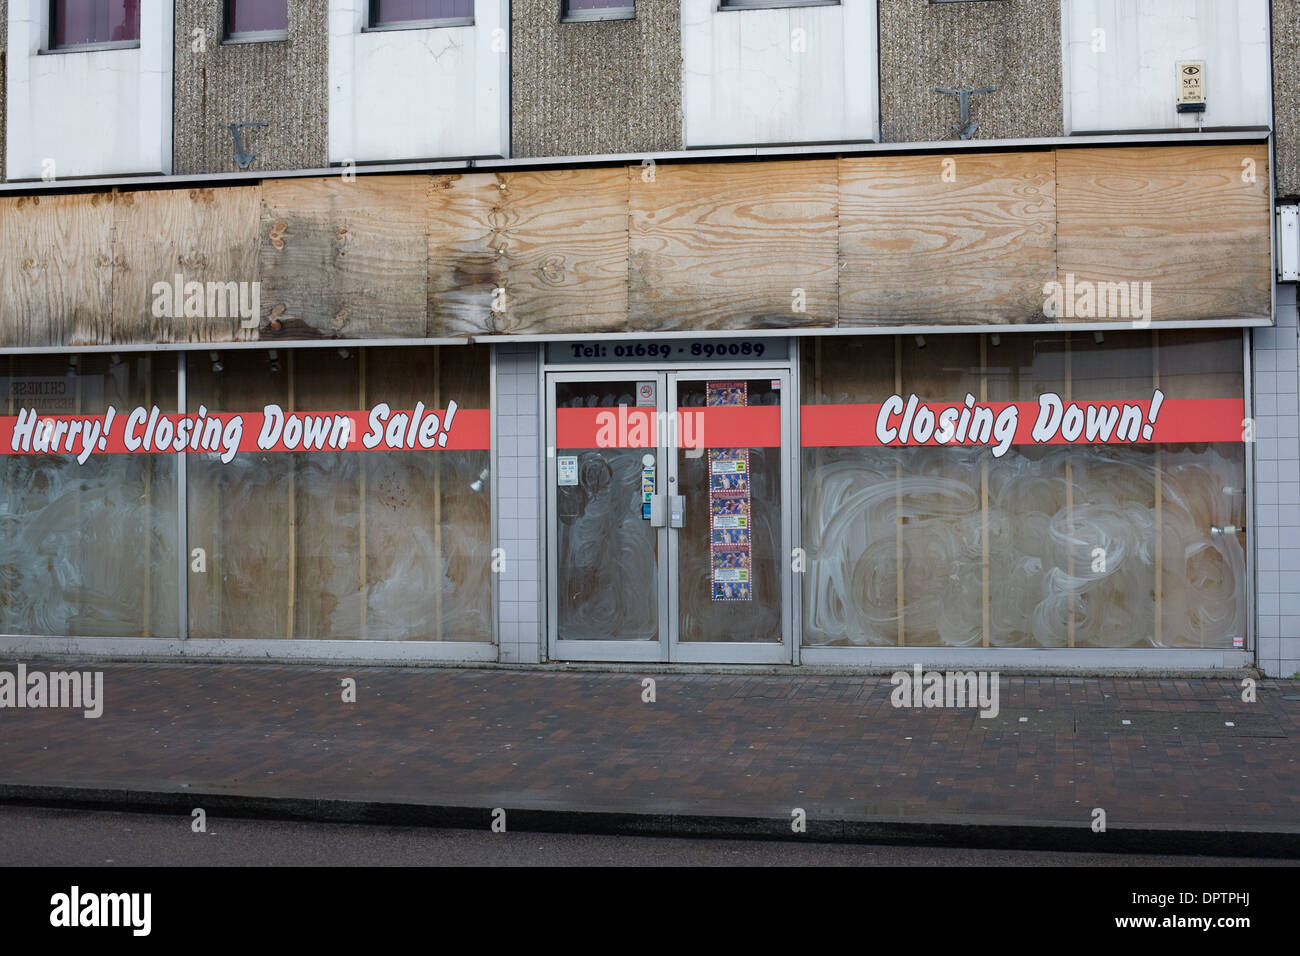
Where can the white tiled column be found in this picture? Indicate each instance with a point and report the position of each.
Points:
(1277, 489)
(518, 489)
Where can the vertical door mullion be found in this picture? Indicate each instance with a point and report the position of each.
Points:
(182, 509)
(549, 465)
(668, 590)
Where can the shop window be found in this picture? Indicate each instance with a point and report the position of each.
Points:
(413, 14)
(379, 544)
(599, 10)
(78, 23)
(1012, 542)
(87, 548)
(257, 20)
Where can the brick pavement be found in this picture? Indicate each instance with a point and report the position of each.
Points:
(1191, 754)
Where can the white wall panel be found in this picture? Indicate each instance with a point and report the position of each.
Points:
(418, 94)
(1131, 84)
(95, 112)
(745, 79)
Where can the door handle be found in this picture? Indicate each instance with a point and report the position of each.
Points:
(658, 511)
(677, 510)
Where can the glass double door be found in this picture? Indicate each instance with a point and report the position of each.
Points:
(668, 515)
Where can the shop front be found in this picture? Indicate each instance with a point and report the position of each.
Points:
(995, 498)
(976, 406)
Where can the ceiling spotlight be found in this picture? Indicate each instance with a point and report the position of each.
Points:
(478, 485)
(995, 340)
(216, 362)
(920, 341)
(275, 360)
(115, 360)
(1098, 338)
(344, 353)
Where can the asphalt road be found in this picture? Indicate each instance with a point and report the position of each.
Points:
(79, 838)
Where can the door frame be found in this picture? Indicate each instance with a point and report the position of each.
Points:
(597, 650)
(667, 648)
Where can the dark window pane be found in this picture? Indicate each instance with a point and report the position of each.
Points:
(399, 11)
(95, 21)
(253, 16)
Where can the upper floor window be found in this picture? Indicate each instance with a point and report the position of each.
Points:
(760, 4)
(257, 19)
(599, 9)
(407, 14)
(75, 23)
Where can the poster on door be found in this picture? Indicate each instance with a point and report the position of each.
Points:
(731, 553)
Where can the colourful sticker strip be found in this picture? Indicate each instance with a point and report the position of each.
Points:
(730, 545)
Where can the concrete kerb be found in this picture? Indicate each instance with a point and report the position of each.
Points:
(953, 831)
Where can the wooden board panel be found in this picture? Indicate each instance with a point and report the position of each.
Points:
(968, 243)
(203, 235)
(344, 259)
(555, 242)
(725, 246)
(56, 267)
(1188, 220)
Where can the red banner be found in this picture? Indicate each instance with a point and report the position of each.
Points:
(1049, 421)
(148, 430)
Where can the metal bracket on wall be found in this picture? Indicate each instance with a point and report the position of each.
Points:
(965, 129)
(243, 159)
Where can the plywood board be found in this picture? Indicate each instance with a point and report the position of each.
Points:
(937, 240)
(1193, 221)
(726, 246)
(202, 235)
(344, 258)
(56, 267)
(554, 242)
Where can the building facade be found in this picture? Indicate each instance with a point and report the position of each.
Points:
(785, 332)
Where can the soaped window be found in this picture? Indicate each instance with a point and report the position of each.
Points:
(358, 505)
(1053, 489)
(87, 532)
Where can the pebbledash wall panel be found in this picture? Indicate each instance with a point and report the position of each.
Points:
(803, 74)
(1286, 97)
(4, 86)
(1113, 236)
(1121, 61)
(1013, 45)
(421, 93)
(595, 86)
(283, 83)
(87, 112)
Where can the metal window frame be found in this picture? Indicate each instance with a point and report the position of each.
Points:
(666, 648)
(50, 47)
(250, 36)
(625, 12)
(182, 645)
(726, 5)
(374, 24)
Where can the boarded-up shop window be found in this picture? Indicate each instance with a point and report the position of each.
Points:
(87, 550)
(344, 544)
(1047, 544)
